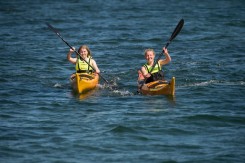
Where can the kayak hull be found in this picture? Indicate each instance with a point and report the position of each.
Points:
(82, 82)
(159, 87)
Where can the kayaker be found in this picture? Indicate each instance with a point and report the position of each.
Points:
(81, 65)
(157, 73)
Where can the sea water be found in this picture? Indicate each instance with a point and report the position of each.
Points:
(43, 121)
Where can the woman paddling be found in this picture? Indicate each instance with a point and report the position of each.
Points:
(149, 74)
(81, 65)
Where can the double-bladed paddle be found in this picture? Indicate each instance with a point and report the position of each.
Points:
(55, 31)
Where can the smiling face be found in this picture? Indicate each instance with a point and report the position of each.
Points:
(83, 52)
(149, 56)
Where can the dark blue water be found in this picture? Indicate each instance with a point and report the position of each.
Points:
(43, 121)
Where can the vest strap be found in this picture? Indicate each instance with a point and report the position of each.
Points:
(158, 66)
(85, 71)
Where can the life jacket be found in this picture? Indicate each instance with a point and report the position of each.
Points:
(82, 66)
(156, 73)
(156, 68)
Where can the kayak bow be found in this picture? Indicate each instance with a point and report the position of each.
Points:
(83, 82)
(159, 87)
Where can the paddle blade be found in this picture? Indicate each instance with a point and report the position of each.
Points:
(52, 28)
(177, 29)
(174, 34)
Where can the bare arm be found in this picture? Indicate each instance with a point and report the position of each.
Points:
(97, 70)
(145, 72)
(167, 58)
(70, 58)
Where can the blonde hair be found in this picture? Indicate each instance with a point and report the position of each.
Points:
(147, 50)
(87, 48)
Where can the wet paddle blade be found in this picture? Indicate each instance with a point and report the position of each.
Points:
(175, 32)
(177, 29)
(52, 28)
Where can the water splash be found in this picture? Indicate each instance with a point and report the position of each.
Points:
(123, 92)
(211, 82)
(57, 85)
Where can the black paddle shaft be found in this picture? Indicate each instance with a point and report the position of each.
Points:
(174, 34)
(55, 31)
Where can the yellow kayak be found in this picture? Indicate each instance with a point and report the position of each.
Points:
(159, 87)
(83, 82)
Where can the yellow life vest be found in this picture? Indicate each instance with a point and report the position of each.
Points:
(156, 68)
(82, 66)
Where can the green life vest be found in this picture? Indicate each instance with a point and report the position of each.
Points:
(82, 66)
(155, 70)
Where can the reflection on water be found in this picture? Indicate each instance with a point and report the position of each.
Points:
(84, 96)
